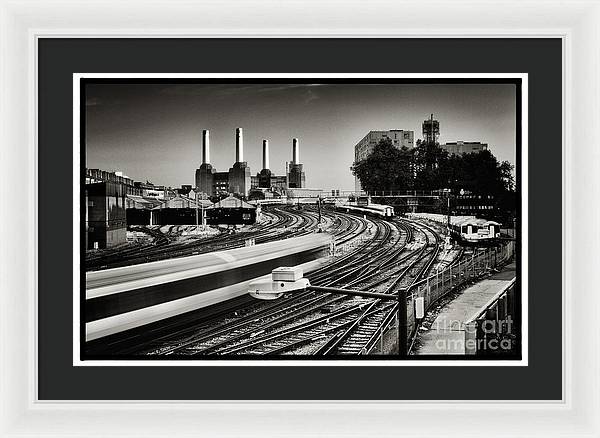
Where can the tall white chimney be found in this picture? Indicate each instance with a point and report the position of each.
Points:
(205, 147)
(295, 151)
(239, 145)
(265, 154)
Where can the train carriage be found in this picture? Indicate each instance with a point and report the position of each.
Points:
(127, 297)
(474, 230)
(375, 210)
(468, 229)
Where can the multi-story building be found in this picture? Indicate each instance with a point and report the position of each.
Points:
(96, 175)
(155, 191)
(399, 137)
(105, 194)
(464, 147)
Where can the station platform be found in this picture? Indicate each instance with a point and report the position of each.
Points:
(446, 335)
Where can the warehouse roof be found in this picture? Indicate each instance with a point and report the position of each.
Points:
(152, 203)
(143, 201)
(231, 202)
(180, 201)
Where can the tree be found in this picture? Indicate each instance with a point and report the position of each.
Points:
(386, 168)
(429, 162)
(480, 172)
(429, 167)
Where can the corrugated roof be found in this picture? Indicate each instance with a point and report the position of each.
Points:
(144, 201)
(180, 201)
(148, 202)
(231, 202)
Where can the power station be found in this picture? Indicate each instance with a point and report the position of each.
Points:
(239, 180)
(295, 170)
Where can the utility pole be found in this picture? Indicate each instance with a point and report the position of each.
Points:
(402, 324)
(449, 212)
(202, 217)
(319, 208)
(196, 193)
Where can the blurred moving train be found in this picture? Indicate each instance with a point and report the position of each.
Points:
(468, 229)
(363, 205)
(127, 297)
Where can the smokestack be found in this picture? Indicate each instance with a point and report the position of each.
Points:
(205, 147)
(239, 145)
(265, 154)
(295, 151)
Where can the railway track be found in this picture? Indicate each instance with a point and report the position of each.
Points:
(354, 339)
(309, 323)
(279, 312)
(343, 227)
(284, 223)
(348, 323)
(296, 315)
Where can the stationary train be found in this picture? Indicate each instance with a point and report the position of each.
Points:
(123, 298)
(270, 201)
(468, 229)
(359, 205)
(363, 205)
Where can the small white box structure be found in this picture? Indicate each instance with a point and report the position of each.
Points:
(292, 273)
(283, 280)
(420, 308)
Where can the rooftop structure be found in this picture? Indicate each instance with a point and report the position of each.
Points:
(464, 147)
(431, 130)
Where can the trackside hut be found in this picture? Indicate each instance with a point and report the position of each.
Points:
(231, 211)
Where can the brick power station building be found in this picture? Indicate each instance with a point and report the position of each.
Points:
(239, 180)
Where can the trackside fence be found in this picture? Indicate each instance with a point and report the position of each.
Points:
(435, 287)
(495, 329)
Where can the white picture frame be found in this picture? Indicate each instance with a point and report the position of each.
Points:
(576, 23)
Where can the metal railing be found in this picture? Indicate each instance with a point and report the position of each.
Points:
(493, 329)
(435, 287)
(346, 193)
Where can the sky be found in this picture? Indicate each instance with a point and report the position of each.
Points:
(154, 131)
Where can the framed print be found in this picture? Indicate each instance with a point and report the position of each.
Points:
(353, 225)
(346, 243)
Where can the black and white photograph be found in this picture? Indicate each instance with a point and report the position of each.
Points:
(295, 219)
(366, 218)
